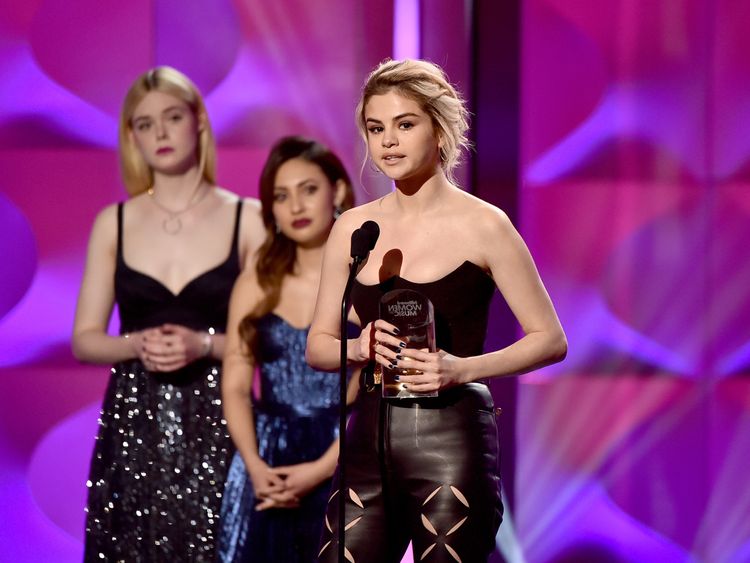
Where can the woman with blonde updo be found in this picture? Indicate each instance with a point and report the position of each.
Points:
(425, 469)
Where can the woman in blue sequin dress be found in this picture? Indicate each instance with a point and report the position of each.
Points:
(168, 257)
(286, 438)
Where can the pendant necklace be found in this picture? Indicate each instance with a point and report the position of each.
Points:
(173, 224)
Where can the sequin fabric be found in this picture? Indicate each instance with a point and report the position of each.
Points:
(296, 421)
(161, 454)
(158, 468)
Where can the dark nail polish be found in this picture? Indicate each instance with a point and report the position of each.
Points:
(399, 357)
(391, 366)
(396, 378)
(402, 344)
(396, 331)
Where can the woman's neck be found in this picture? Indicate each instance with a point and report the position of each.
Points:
(420, 195)
(308, 260)
(178, 190)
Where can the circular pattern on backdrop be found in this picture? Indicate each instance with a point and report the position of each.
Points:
(19, 255)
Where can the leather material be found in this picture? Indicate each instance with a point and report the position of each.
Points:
(424, 470)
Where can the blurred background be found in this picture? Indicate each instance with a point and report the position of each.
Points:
(616, 133)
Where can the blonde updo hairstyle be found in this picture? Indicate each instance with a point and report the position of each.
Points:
(136, 173)
(425, 83)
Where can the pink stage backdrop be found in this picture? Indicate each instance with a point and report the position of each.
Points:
(266, 69)
(635, 200)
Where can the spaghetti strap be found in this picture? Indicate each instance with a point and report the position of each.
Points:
(119, 231)
(236, 234)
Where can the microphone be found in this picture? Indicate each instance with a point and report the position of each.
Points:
(364, 239)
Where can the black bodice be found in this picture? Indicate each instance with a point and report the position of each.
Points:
(203, 303)
(461, 300)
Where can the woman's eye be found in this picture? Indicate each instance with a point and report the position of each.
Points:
(175, 117)
(375, 130)
(311, 189)
(279, 197)
(406, 125)
(142, 126)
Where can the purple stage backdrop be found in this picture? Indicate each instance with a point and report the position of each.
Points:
(633, 199)
(635, 202)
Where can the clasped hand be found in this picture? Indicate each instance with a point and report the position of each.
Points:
(283, 487)
(380, 341)
(167, 347)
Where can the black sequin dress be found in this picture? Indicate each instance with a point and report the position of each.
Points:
(162, 451)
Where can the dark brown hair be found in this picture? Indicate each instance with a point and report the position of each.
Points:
(277, 255)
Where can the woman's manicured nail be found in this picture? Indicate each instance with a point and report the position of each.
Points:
(399, 357)
(391, 366)
(396, 331)
(402, 344)
(396, 378)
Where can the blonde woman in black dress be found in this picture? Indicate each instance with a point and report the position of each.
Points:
(168, 258)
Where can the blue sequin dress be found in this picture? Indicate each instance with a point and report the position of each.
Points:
(296, 421)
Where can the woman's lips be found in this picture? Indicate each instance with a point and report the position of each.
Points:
(301, 223)
(164, 150)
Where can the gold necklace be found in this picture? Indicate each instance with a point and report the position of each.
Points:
(172, 224)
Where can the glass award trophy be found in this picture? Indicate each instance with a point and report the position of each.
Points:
(413, 314)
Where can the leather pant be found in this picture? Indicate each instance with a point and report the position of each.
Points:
(420, 470)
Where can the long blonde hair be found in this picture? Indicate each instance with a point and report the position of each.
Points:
(136, 173)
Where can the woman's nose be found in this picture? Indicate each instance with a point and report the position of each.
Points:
(389, 139)
(296, 203)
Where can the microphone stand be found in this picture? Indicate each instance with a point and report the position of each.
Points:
(345, 304)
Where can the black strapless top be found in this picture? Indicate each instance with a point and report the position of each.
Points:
(461, 300)
(203, 303)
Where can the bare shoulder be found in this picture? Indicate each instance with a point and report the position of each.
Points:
(246, 293)
(103, 238)
(485, 218)
(105, 223)
(227, 196)
(375, 210)
(251, 210)
(231, 198)
(352, 219)
(251, 218)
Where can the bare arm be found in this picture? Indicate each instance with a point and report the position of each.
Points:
(236, 389)
(517, 278)
(252, 232)
(323, 341)
(90, 342)
(237, 373)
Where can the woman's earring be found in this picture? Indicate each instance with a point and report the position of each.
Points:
(277, 228)
(337, 211)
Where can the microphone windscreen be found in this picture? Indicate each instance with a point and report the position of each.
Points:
(364, 239)
(373, 232)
